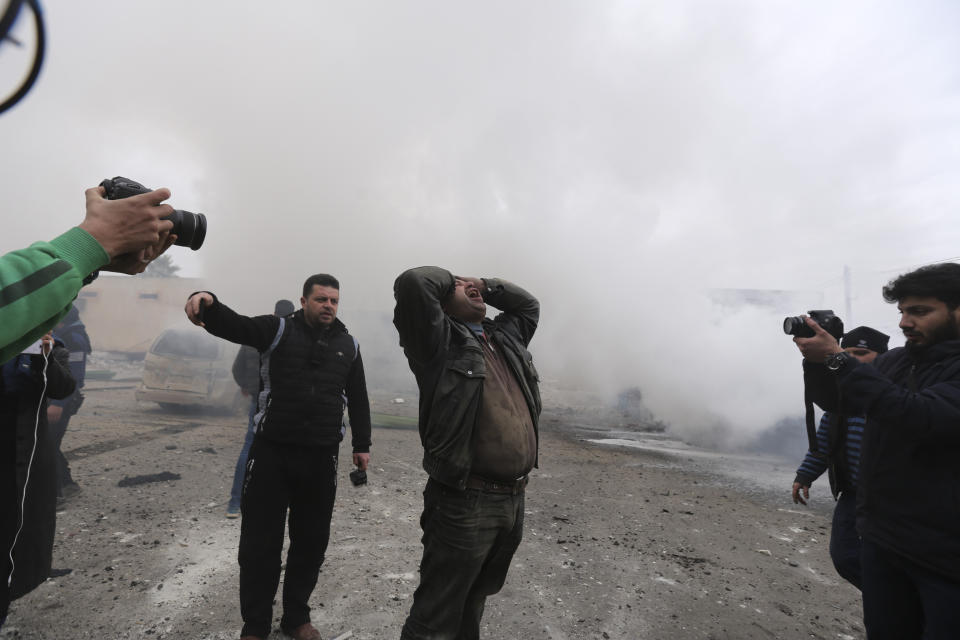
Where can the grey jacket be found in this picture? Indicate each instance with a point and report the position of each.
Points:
(447, 360)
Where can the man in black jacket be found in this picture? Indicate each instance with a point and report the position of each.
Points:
(310, 367)
(28, 467)
(908, 512)
(479, 407)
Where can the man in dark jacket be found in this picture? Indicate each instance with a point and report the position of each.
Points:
(310, 367)
(74, 336)
(839, 439)
(246, 373)
(908, 513)
(28, 469)
(479, 407)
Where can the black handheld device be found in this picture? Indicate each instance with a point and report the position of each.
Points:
(190, 228)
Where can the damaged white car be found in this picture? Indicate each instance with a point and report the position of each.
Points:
(185, 368)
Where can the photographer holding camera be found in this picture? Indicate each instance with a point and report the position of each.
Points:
(39, 283)
(838, 440)
(908, 513)
(309, 367)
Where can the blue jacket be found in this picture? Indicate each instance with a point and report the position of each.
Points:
(74, 336)
(909, 495)
(814, 464)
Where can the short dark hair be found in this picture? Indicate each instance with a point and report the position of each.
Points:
(322, 279)
(940, 281)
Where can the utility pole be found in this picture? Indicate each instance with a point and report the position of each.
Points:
(847, 296)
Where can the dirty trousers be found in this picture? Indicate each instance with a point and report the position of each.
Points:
(469, 538)
(281, 476)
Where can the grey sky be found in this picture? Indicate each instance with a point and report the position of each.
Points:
(616, 158)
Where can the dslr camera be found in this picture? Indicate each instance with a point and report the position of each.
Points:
(190, 228)
(358, 477)
(795, 326)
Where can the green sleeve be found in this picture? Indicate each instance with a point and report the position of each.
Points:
(38, 284)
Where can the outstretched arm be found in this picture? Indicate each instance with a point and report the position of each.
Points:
(38, 284)
(204, 310)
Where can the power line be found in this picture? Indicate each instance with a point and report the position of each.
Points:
(915, 266)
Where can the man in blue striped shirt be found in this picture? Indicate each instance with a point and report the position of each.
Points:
(838, 452)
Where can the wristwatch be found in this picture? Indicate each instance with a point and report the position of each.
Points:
(837, 361)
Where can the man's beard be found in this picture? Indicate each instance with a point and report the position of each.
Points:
(949, 330)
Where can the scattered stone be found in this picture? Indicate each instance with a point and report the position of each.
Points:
(133, 481)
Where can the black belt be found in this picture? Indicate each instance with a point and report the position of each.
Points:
(513, 487)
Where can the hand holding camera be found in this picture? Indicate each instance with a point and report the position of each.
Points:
(189, 228)
(131, 231)
(817, 335)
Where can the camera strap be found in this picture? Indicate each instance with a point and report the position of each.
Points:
(811, 425)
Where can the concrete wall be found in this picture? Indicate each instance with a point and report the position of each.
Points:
(125, 314)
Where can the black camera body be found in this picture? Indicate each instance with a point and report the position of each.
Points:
(795, 326)
(190, 228)
(358, 477)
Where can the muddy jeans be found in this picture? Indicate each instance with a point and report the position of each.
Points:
(469, 538)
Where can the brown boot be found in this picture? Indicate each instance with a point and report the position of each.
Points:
(306, 631)
(251, 638)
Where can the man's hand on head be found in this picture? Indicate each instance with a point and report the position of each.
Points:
(193, 306)
(820, 346)
(128, 225)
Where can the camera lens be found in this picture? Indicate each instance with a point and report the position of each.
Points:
(790, 325)
(190, 228)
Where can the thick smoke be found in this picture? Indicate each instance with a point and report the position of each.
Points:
(620, 160)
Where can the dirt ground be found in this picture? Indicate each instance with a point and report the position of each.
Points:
(618, 543)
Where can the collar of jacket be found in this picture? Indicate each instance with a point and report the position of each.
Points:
(461, 333)
(934, 353)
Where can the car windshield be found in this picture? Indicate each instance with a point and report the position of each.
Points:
(186, 343)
